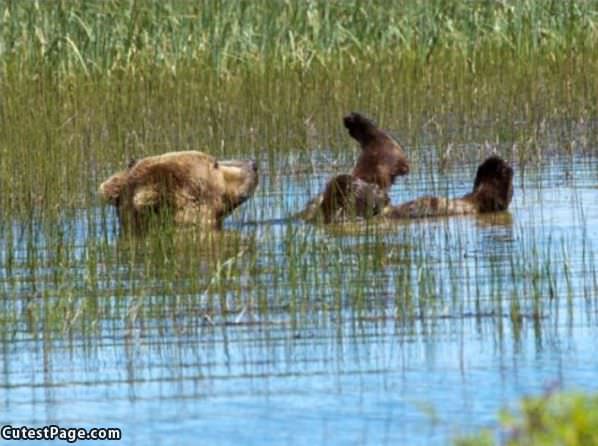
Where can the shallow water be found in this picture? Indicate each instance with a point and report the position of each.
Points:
(284, 333)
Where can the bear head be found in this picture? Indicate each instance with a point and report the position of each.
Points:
(493, 185)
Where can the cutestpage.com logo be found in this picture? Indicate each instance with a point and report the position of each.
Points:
(53, 432)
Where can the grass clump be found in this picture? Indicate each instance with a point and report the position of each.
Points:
(563, 419)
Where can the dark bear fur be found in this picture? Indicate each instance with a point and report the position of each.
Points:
(363, 193)
(346, 196)
(492, 192)
(382, 159)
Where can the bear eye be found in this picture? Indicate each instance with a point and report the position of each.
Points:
(215, 164)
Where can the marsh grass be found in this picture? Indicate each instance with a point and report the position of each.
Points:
(112, 37)
(223, 315)
(60, 140)
(89, 85)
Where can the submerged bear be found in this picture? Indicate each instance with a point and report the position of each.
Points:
(346, 196)
(190, 187)
(363, 193)
(492, 192)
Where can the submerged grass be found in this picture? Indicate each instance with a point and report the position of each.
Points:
(86, 86)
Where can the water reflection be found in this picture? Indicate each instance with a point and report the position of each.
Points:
(284, 332)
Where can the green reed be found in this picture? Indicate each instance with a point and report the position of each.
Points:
(405, 273)
(111, 37)
(61, 138)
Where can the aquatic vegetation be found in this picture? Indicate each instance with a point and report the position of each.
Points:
(553, 419)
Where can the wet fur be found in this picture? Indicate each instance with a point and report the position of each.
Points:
(364, 192)
(190, 187)
(381, 159)
(346, 196)
(492, 192)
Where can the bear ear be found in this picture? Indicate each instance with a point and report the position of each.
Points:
(216, 165)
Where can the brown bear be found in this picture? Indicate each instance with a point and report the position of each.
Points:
(364, 193)
(345, 197)
(382, 159)
(492, 191)
(191, 187)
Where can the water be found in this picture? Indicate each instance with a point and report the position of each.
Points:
(402, 333)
